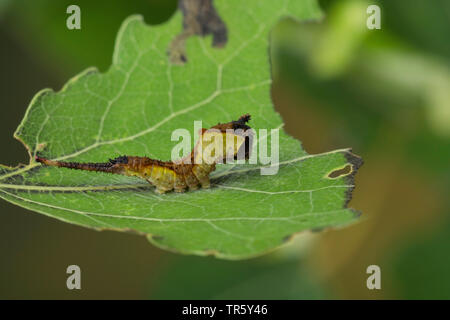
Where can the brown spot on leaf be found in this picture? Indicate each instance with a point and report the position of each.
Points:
(199, 18)
(340, 172)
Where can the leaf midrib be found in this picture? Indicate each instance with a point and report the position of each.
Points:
(222, 174)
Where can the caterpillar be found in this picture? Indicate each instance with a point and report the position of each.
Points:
(190, 172)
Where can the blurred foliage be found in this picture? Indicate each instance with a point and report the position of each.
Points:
(372, 83)
(383, 92)
(3, 5)
(388, 96)
(421, 266)
(262, 278)
(41, 25)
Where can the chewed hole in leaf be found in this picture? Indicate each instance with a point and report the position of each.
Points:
(341, 172)
(200, 17)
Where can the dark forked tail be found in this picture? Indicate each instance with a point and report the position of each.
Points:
(113, 166)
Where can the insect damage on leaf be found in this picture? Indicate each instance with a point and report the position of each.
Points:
(191, 171)
(133, 107)
(199, 18)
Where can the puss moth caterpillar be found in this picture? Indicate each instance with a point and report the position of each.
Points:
(188, 172)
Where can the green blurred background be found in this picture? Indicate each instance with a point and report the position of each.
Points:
(386, 93)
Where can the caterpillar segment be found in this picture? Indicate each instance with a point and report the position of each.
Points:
(190, 172)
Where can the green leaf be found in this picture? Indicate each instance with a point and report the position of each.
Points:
(133, 108)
